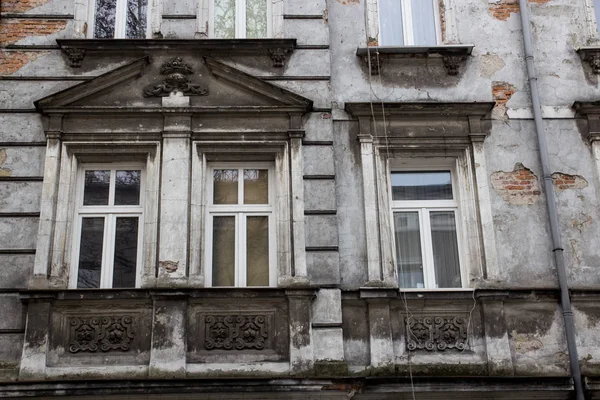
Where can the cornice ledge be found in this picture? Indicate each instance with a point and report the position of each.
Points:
(452, 55)
(279, 50)
(591, 55)
(400, 110)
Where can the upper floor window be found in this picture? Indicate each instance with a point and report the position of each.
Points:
(119, 19)
(240, 229)
(241, 19)
(408, 22)
(108, 224)
(597, 14)
(425, 214)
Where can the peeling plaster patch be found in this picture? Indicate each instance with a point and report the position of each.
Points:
(582, 222)
(518, 187)
(21, 6)
(349, 1)
(526, 342)
(502, 9)
(490, 64)
(565, 181)
(501, 93)
(12, 61)
(169, 266)
(4, 171)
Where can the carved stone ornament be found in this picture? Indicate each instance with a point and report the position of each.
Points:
(436, 333)
(279, 56)
(235, 332)
(176, 80)
(101, 333)
(452, 63)
(594, 61)
(74, 56)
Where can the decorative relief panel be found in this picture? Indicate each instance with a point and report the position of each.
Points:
(240, 332)
(176, 80)
(101, 333)
(436, 333)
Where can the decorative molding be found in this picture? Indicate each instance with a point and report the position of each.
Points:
(436, 333)
(74, 56)
(176, 81)
(591, 55)
(236, 332)
(279, 55)
(101, 333)
(452, 55)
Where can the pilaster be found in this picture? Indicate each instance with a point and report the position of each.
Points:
(168, 354)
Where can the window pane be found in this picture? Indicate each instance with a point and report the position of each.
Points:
(423, 22)
(390, 23)
(104, 20)
(445, 249)
(127, 188)
(257, 251)
(223, 267)
(597, 12)
(256, 186)
(126, 246)
(408, 250)
(96, 187)
(225, 186)
(426, 185)
(137, 10)
(224, 19)
(90, 252)
(256, 19)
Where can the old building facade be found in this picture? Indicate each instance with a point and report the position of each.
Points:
(370, 199)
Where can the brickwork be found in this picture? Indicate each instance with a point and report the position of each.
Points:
(11, 31)
(502, 9)
(565, 181)
(519, 186)
(12, 61)
(21, 6)
(501, 93)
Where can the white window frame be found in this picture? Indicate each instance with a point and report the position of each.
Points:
(407, 23)
(120, 19)
(240, 19)
(423, 208)
(110, 214)
(241, 211)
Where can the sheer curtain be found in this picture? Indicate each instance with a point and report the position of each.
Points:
(408, 250)
(445, 248)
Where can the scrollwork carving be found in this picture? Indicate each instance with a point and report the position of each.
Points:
(436, 333)
(176, 80)
(101, 333)
(241, 332)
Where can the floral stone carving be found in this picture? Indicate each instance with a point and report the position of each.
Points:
(101, 333)
(231, 332)
(436, 333)
(177, 80)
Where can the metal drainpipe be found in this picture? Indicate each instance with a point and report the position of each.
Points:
(559, 259)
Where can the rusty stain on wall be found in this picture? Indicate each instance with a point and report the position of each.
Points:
(565, 181)
(3, 157)
(519, 186)
(526, 342)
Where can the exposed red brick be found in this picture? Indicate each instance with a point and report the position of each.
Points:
(502, 9)
(12, 31)
(564, 181)
(21, 6)
(502, 92)
(519, 186)
(12, 61)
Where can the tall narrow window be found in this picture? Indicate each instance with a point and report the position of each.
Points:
(408, 22)
(109, 222)
(249, 19)
(119, 19)
(240, 247)
(425, 225)
(597, 14)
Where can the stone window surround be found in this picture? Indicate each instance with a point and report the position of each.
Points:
(58, 261)
(593, 36)
(84, 11)
(378, 152)
(207, 152)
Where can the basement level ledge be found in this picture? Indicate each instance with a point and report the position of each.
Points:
(452, 55)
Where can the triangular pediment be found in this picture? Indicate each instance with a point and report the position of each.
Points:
(145, 83)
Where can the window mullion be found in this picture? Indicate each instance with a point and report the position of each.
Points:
(121, 19)
(240, 15)
(407, 23)
(107, 261)
(241, 251)
(428, 250)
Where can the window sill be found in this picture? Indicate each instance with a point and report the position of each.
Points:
(451, 55)
(591, 55)
(278, 50)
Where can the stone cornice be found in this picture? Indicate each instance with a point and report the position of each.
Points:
(401, 110)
